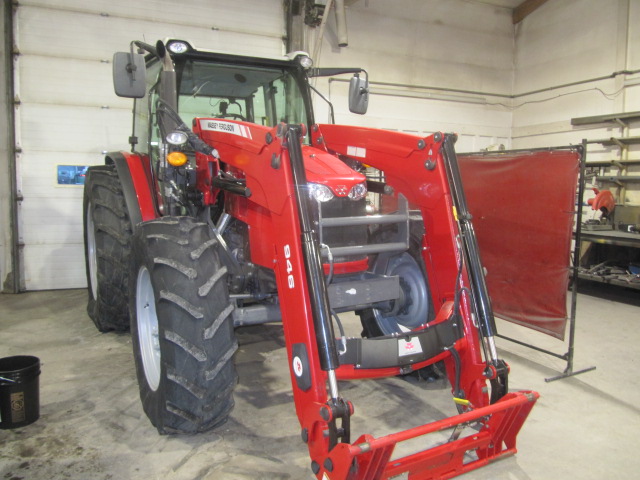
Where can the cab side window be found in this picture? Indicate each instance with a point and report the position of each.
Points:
(144, 109)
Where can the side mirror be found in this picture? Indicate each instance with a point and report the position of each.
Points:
(129, 75)
(358, 95)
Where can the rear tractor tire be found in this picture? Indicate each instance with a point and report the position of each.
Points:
(181, 326)
(107, 243)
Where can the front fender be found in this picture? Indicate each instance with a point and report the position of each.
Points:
(135, 178)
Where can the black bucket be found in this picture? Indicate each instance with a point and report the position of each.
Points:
(19, 391)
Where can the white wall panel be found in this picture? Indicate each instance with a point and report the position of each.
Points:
(573, 41)
(255, 17)
(42, 221)
(39, 179)
(634, 34)
(67, 81)
(564, 42)
(426, 43)
(68, 113)
(450, 44)
(54, 266)
(73, 128)
(95, 37)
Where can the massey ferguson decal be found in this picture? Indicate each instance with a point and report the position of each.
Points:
(225, 127)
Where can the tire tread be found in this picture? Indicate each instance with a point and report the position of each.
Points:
(196, 328)
(113, 230)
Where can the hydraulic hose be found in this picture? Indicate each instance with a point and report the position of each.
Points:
(196, 142)
(469, 241)
(318, 293)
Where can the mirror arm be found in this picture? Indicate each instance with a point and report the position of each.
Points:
(131, 67)
(144, 47)
(366, 77)
(329, 72)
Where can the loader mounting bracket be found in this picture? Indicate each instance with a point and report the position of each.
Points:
(498, 374)
(401, 350)
(338, 408)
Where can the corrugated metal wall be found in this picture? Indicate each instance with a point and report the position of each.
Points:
(68, 114)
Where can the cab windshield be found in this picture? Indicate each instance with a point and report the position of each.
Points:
(265, 96)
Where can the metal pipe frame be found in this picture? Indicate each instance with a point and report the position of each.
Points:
(495, 94)
(569, 372)
(568, 356)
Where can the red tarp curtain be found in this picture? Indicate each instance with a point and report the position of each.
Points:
(522, 205)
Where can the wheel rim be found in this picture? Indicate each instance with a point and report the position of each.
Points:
(147, 323)
(412, 308)
(92, 258)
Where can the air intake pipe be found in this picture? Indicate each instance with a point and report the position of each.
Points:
(341, 23)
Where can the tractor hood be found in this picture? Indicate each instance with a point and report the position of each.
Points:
(326, 169)
(231, 136)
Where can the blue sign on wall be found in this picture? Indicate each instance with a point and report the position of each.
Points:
(71, 174)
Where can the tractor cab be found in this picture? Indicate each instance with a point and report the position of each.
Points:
(200, 83)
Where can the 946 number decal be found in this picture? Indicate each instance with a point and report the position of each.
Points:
(287, 255)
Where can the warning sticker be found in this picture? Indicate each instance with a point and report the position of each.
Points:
(356, 151)
(409, 347)
(225, 127)
(298, 369)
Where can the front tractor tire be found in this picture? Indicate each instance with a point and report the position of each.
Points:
(107, 243)
(181, 326)
(414, 308)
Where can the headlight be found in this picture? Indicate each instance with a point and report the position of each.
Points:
(358, 191)
(319, 192)
(305, 61)
(177, 138)
(178, 47)
(302, 58)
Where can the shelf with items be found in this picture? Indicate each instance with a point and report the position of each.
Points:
(621, 142)
(611, 255)
(618, 178)
(617, 118)
(611, 163)
(614, 171)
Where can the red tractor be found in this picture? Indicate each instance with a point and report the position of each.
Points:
(235, 208)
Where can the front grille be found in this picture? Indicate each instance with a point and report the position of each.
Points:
(343, 225)
(347, 236)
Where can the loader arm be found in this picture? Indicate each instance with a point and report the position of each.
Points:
(421, 170)
(414, 168)
(281, 238)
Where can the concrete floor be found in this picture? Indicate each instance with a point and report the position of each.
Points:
(92, 425)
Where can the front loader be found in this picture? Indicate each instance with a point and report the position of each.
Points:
(235, 208)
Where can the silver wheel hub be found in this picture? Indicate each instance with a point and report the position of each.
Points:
(92, 259)
(148, 331)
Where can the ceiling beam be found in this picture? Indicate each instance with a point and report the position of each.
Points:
(525, 8)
